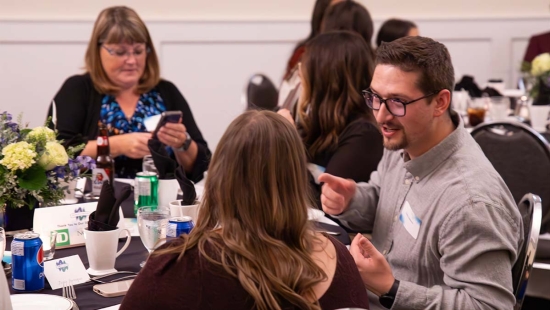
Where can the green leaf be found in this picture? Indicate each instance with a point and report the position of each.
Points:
(24, 133)
(33, 178)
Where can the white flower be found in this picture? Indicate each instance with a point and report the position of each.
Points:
(54, 155)
(541, 64)
(18, 156)
(44, 134)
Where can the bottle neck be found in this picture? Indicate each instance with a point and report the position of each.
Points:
(103, 146)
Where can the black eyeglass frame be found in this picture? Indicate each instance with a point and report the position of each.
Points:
(368, 92)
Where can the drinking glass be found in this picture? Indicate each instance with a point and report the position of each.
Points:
(476, 110)
(49, 238)
(152, 225)
(2, 244)
(499, 108)
(148, 164)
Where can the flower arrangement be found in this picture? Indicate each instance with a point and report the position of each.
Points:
(33, 163)
(539, 72)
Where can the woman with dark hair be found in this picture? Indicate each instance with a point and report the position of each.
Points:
(351, 16)
(253, 246)
(316, 19)
(393, 29)
(338, 129)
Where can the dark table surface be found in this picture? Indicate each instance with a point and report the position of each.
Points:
(86, 298)
(130, 259)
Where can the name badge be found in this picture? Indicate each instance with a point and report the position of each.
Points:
(410, 221)
(315, 171)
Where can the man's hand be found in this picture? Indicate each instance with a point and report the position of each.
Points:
(373, 267)
(336, 193)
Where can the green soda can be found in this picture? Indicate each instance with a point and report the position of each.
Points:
(146, 190)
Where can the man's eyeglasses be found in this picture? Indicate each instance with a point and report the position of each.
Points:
(395, 106)
(123, 54)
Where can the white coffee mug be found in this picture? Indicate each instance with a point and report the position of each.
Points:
(101, 249)
(177, 210)
(167, 192)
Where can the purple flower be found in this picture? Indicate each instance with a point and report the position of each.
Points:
(6, 115)
(86, 162)
(59, 171)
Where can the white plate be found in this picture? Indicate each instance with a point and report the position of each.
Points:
(315, 214)
(40, 301)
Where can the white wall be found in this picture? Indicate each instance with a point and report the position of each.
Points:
(211, 58)
(270, 9)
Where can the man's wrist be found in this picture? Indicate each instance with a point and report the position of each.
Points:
(388, 298)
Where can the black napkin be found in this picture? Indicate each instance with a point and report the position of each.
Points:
(166, 166)
(491, 92)
(187, 187)
(467, 83)
(106, 215)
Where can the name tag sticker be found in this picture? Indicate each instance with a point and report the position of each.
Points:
(410, 220)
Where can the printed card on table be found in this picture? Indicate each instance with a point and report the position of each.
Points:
(65, 271)
(69, 221)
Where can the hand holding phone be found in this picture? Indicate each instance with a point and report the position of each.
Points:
(167, 117)
(113, 289)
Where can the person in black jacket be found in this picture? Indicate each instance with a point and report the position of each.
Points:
(121, 88)
(338, 129)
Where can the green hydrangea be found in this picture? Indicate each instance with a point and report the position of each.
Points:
(541, 64)
(18, 156)
(54, 155)
(41, 134)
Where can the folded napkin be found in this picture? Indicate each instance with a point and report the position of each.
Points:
(106, 215)
(166, 166)
(187, 187)
(468, 84)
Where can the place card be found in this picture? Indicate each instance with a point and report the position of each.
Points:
(66, 270)
(68, 220)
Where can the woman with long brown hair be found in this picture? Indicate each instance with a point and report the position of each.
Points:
(337, 128)
(252, 246)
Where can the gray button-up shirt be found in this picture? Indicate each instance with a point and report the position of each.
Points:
(470, 228)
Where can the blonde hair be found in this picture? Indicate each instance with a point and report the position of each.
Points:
(253, 216)
(120, 24)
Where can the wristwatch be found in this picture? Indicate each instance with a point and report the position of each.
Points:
(186, 144)
(387, 299)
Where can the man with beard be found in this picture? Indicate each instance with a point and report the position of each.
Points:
(445, 228)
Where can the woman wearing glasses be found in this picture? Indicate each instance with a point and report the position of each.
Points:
(337, 128)
(121, 88)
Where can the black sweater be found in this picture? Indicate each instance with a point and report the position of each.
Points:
(78, 107)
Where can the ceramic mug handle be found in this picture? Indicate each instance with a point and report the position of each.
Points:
(129, 237)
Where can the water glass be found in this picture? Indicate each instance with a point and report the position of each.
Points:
(499, 107)
(148, 164)
(49, 239)
(2, 243)
(152, 224)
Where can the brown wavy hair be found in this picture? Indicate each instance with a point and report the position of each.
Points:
(120, 24)
(253, 217)
(336, 67)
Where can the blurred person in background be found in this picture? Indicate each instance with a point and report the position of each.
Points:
(290, 87)
(122, 87)
(337, 127)
(393, 29)
(351, 16)
(253, 246)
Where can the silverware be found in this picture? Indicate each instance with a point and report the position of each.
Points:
(69, 293)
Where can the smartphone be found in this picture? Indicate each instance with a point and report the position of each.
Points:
(167, 117)
(113, 289)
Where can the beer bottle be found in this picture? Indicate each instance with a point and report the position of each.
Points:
(105, 165)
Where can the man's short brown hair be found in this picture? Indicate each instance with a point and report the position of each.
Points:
(429, 58)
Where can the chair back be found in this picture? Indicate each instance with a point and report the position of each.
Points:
(530, 210)
(260, 93)
(522, 158)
